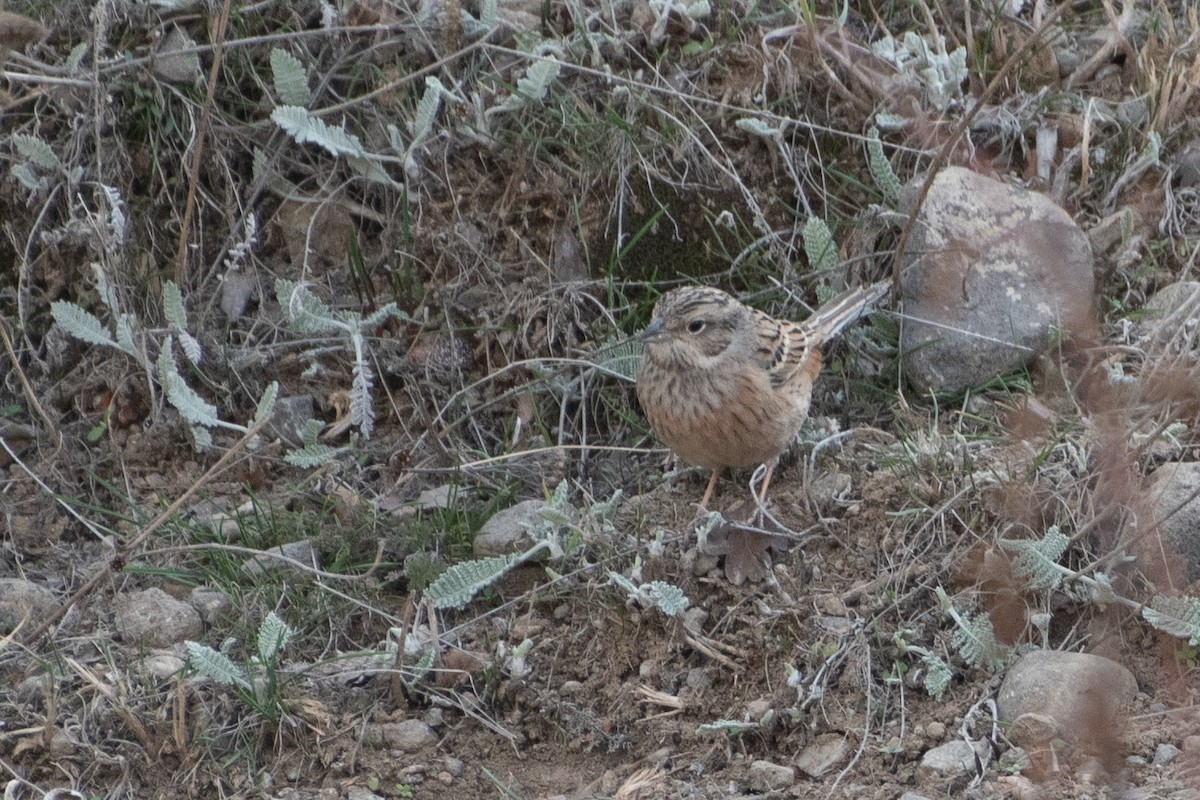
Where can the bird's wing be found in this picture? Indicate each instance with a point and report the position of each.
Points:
(787, 347)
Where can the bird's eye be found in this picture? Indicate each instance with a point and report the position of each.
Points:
(695, 326)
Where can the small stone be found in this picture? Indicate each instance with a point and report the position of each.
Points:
(769, 776)
(507, 531)
(454, 766)
(290, 419)
(1164, 754)
(434, 717)
(163, 665)
(209, 603)
(408, 735)
(361, 793)
(757, 709)
(822, 754)
(698, 679)
(24, 600)
(913, 796)
(302, 551)
(445, 778)
(570, 688)
(152, 618)
(1191, 744)
(957, 757)
(936, 731)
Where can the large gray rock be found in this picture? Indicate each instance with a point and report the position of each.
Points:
(1053, 695)
(1175, 492)
(992, 272)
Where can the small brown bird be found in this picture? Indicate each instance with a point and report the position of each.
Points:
(725, 385)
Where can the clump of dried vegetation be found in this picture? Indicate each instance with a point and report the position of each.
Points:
(269, 272)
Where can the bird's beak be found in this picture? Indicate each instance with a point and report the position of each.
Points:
(651, 331)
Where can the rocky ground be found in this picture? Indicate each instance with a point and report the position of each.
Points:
(322, 470)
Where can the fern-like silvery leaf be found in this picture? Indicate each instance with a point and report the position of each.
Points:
(362, 410)
(75, 58)
(729, 726)
(173, 308)
(488, 16)
(1037, 560)
(536, 83)
(291, 81)
(201, 439)
(937, 675)
(427, 109)
(881, 169)
(975, 640)
(757, 127)
(455, 587)
(819, 246)
(273, 636)
(83, 325)
(422, 667)
(26, 178)
(305, 128)
(304, 310)
(190, 346)
(215, 665)
(311, 455)
(666, 597)
(266, 403)
(125, 334)
(1178, 616)
(371, 169)
(105, 289)
(381, 316)
(36, 151)
(191, 406)
(621, 359)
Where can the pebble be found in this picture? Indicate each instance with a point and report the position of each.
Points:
(768, 776)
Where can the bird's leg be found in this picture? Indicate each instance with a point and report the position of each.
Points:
(766, 481)
(760, 496)
(712, 484)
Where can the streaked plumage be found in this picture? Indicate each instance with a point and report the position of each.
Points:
(725, 385)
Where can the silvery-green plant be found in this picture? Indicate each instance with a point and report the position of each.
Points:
(256, 681)
(128, 336)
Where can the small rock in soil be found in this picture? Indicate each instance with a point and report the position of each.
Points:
(153, 618)
(290, 419)
(302, 551)
(508, 531)
(769, 776)
(826, 750)
(163, 665)
(408, 735)
(957, 757)
(209, 603)
(23, 600)
(1164, 754)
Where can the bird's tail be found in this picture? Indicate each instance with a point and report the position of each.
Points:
(828, 320)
